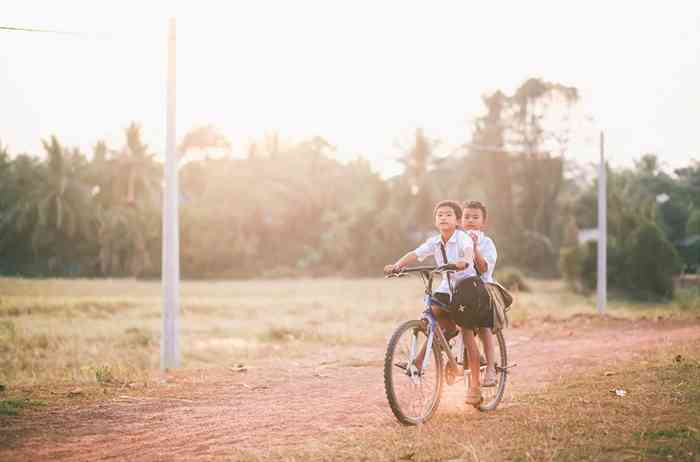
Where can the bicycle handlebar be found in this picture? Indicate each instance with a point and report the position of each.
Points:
(426, 269)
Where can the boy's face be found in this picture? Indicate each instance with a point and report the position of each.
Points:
(445, 219)
(472, 219)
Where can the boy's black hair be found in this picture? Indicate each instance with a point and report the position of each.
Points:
(475, 205)
(454, 205)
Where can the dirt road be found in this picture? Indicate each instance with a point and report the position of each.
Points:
(215, 414)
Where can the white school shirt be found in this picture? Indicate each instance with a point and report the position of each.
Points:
(458, 246)
(487, 249)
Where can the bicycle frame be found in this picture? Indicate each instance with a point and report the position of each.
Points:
(434, 329)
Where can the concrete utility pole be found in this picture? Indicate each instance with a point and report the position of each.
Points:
(602, 229)
(169, 345)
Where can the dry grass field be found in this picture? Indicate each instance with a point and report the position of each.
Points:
(87, 331)
(79, 364)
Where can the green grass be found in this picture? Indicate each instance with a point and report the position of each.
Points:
(108, 331)
(14, 406)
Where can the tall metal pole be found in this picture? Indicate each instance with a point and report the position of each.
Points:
(169, 346)
(602, 228)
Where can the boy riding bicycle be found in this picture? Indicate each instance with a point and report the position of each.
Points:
(452, 245)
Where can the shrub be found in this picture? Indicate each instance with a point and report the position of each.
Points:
(103, 374)
(688, 299)
(512, 279)
(138, 337)
(651, 262)
(615, 262)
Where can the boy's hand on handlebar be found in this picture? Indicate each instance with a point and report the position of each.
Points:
(389, 269)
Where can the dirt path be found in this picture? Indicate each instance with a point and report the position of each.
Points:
(203, 415)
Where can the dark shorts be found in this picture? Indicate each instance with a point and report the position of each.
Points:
(465, 312)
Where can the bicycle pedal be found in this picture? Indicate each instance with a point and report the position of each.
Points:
(501, 368)
(403, 365)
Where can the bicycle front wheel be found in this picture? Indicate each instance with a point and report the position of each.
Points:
(413, 394)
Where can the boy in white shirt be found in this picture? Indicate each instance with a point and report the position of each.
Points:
(485, 256)
(457, 247)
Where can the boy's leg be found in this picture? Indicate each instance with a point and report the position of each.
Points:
(474, 392)
(487, 339)
(447, 325)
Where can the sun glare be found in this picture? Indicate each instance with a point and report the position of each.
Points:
(360, 75)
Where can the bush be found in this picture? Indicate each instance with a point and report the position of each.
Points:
(688, 299)
(693, 224)
(589, 265)
(651, 262)
(512, 279)
(571, 265)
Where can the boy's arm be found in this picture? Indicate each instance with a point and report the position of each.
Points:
(404, 261)
(479, 261)
(481, 264)
(461, 263)
(485, 258)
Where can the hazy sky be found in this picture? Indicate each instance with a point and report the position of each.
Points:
(362, 74)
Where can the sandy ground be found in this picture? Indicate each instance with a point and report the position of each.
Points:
(209, 414)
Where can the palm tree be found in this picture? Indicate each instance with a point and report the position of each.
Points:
(126, 185)
(204, 138)
(53, 207)
(140, 171)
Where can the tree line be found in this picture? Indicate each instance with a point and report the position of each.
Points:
(288, 209)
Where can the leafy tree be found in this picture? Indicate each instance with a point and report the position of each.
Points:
(538, 128)
(518, 150)
(491, 165)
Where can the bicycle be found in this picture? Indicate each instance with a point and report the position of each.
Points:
(405, 383)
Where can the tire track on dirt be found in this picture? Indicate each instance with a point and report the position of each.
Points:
(203, 415)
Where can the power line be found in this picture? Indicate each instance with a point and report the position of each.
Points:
(28, 29)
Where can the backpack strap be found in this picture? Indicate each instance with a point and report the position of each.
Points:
(476, 267)
(444, 258)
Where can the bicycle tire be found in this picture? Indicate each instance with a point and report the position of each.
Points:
(502, 375)
(390, 374)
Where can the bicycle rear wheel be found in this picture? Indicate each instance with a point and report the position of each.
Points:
(493, 395)
(413, 395)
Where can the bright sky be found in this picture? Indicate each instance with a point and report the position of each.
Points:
(361, 74)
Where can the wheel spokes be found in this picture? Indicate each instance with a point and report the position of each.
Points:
(415, 391)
